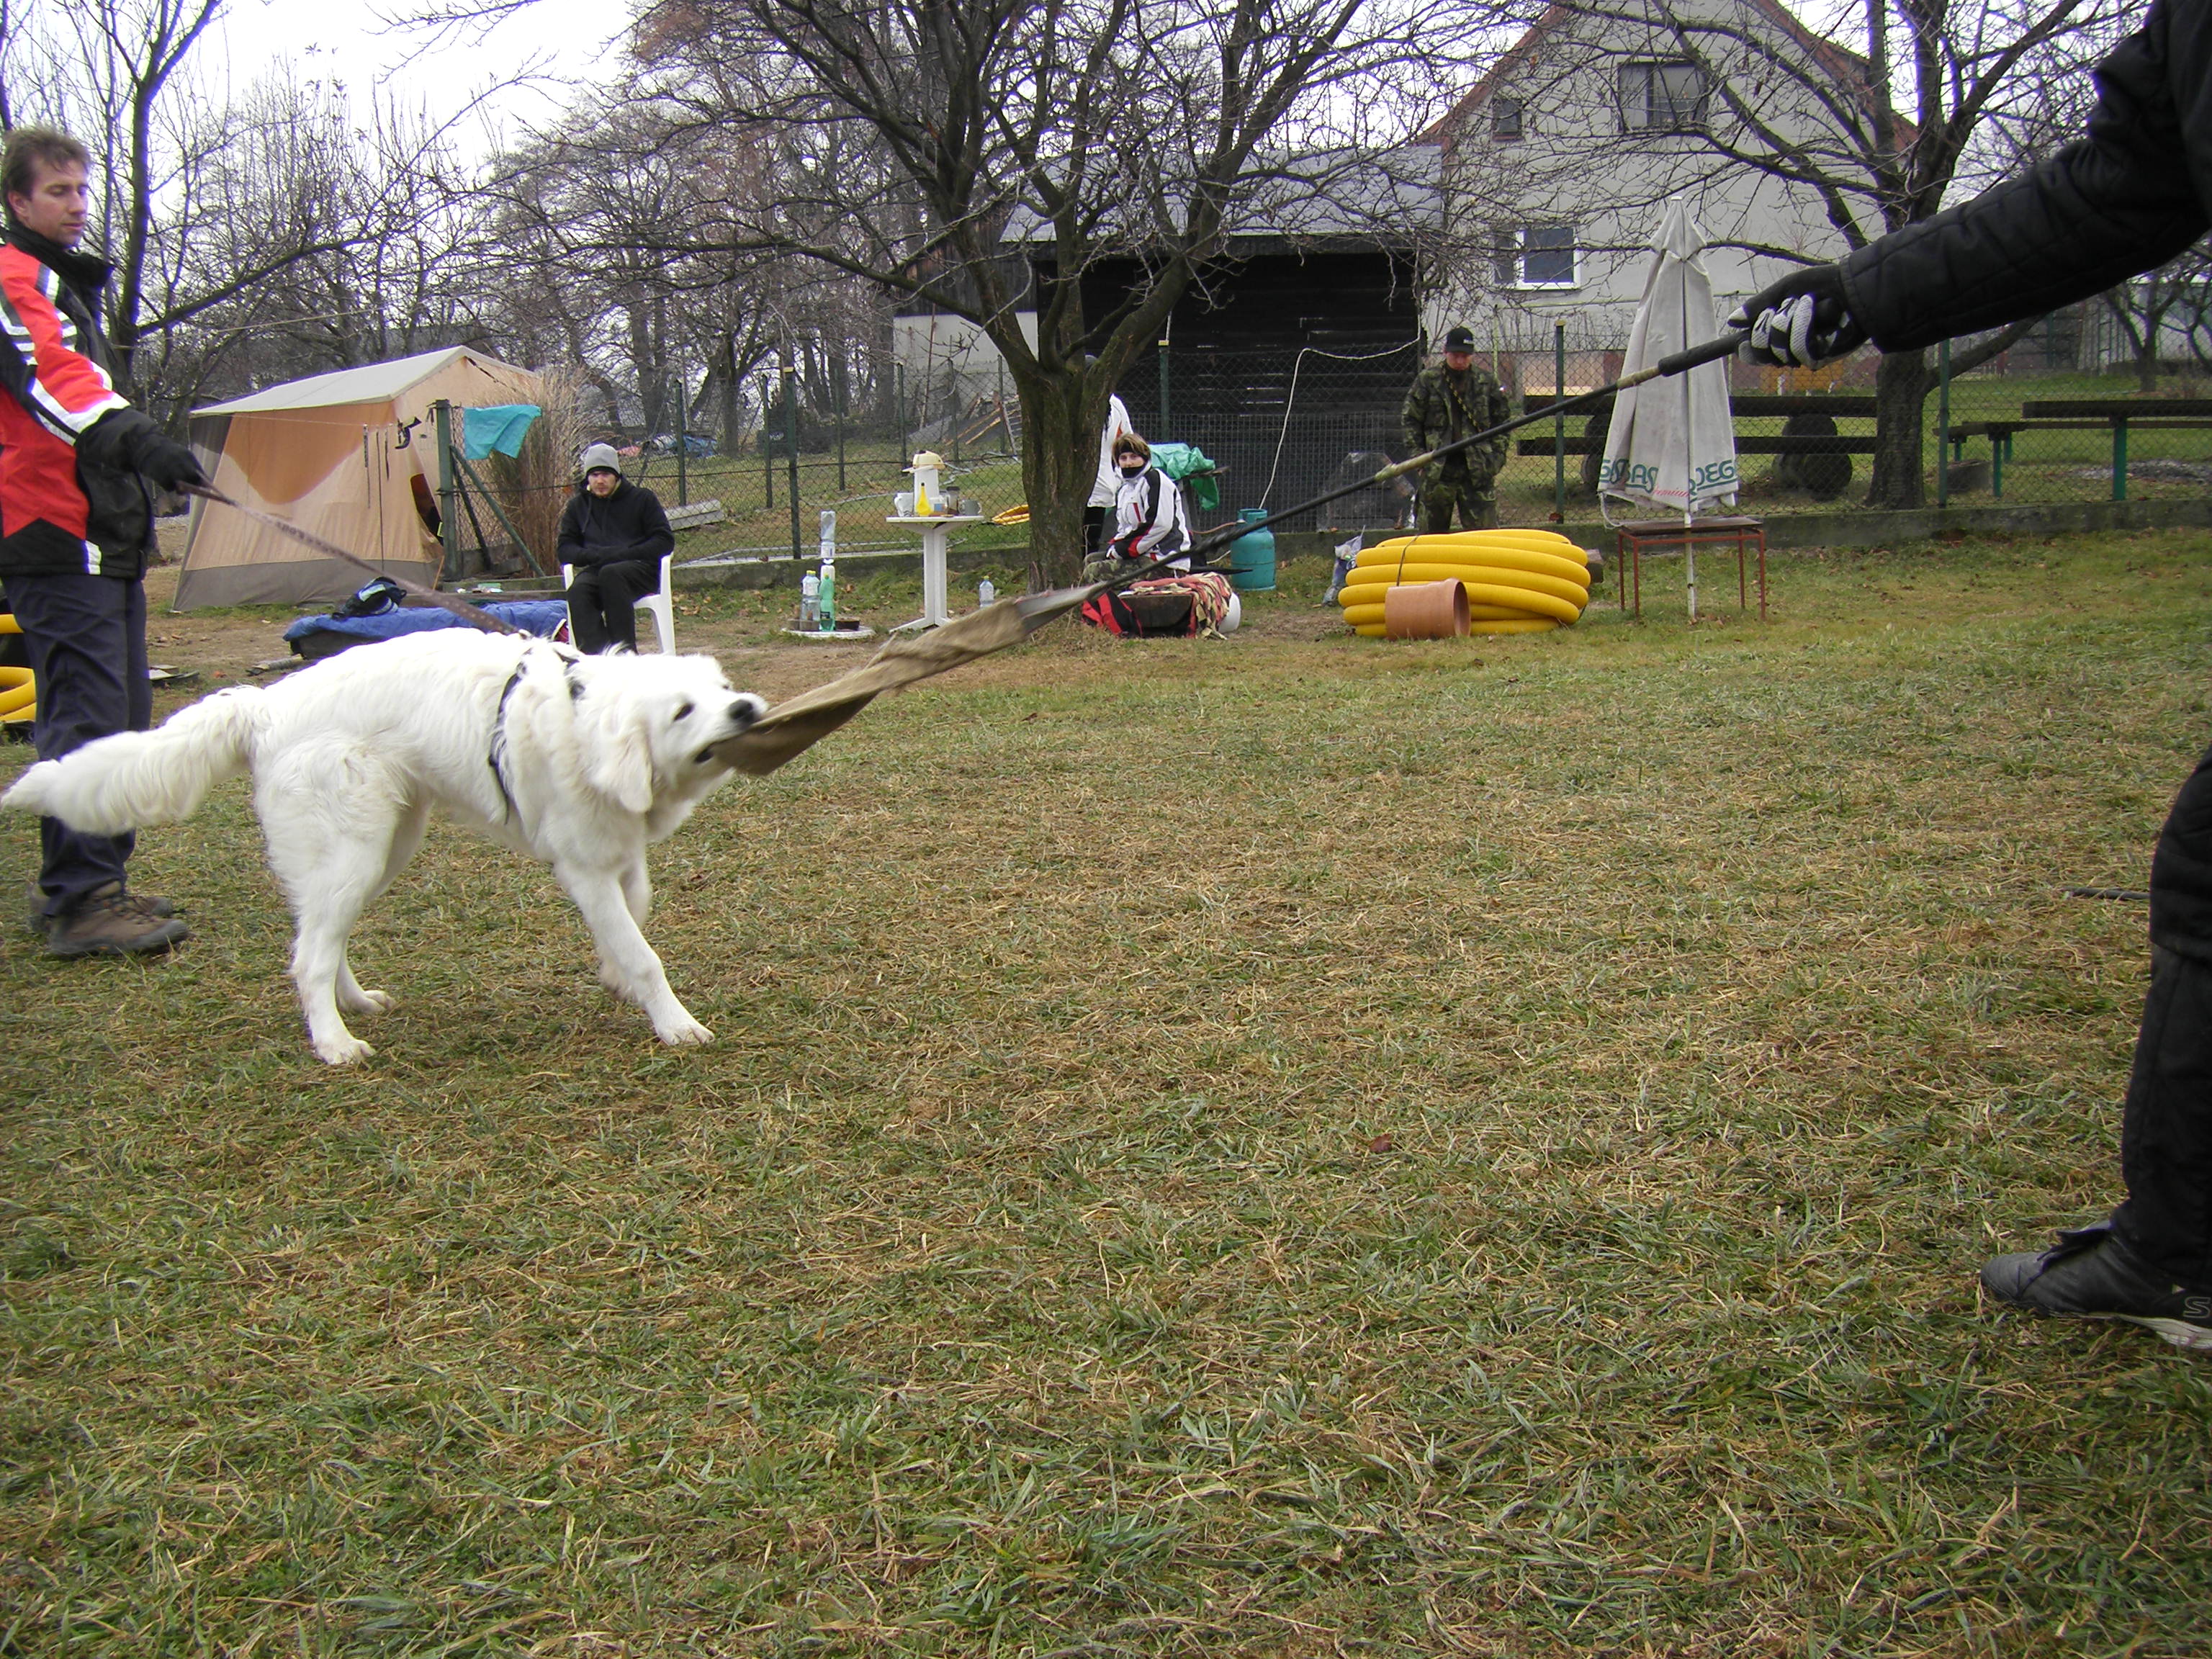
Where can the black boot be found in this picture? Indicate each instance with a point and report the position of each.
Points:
(2091, 1274)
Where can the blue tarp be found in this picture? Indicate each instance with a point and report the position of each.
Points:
(495, 427)
(531, 616)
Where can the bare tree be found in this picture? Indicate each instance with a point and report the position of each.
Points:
(1877, 138)
(285, 213)
(981, 156)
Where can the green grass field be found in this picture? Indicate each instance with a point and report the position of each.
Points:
(1281, 1145)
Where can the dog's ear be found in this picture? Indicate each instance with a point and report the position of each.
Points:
(617, 744)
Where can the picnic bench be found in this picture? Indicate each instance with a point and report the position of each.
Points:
(1806, 411)
(2120, 415)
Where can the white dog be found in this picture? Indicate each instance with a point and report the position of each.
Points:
(580, 762)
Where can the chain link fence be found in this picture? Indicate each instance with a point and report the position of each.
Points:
(2053, 419)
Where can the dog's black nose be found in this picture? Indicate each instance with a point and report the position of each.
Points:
(744, 711)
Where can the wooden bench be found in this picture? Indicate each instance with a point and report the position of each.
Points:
(2119, 414)
(1746, 405)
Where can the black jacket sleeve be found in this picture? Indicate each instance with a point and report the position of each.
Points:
(652, 537)
(2116, 202)
(569, 545)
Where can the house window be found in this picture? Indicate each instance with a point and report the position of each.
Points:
(1505, 117)
(1668, 96)
(1536, 256)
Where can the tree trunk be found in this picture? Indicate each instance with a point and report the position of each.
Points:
(1900, 391)
(1060, 464)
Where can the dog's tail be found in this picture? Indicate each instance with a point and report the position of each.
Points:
(137, 778)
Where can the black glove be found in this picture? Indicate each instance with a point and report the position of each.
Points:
(1802, 321)
(124, 438)
(168, 464)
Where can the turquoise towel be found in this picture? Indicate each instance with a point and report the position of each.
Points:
(1186, 463)
(498, 427)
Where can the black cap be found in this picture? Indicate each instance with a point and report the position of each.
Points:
(1459, 339)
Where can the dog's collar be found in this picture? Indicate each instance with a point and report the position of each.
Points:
(496, 754)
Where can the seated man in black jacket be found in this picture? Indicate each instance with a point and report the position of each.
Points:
(613, 537)
(2132, 193)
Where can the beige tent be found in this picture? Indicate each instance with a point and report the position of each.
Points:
(351, 457)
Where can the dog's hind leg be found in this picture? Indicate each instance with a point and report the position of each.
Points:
(627, 964)
(406, 838)
(332, 818)
(637, 891)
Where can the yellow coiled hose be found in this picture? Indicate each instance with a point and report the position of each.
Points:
(1517, 581)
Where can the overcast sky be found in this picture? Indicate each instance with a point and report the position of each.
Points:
(344, 40)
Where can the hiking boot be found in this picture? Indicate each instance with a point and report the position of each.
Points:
(113, 923)
(2090, 1274)
(34, 899)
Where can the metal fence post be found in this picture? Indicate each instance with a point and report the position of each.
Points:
(1943, 424)
(683, 442)
(791, 444)
(1560, 423)
(768, 453)
(2120, 459)
(1166, 420)
(843, 391)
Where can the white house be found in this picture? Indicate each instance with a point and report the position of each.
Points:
(1557, 163)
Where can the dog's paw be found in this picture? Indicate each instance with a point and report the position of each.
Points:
(683, 1033)
(370, 1002)
(343, 1051)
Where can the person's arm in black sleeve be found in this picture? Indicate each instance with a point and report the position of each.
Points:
(653, 537)
(127, 441)
(569, 545)
(2116, 202)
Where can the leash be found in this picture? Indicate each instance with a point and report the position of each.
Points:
(469, 613)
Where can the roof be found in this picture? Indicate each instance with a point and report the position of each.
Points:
(369, 384)
(1326, 196)
(1849, 68)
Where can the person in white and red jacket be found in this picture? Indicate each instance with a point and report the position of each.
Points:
(78, 470)
(1148, 514)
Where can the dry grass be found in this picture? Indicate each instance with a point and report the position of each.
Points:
(1277, 1147)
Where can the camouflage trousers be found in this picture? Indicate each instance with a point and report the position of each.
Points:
(1444, 494)
(1105, 566)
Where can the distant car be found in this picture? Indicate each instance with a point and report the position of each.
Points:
(664, 443)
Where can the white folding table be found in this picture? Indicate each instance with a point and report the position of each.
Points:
(936, 538)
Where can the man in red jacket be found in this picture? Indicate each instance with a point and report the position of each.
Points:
(77, 526)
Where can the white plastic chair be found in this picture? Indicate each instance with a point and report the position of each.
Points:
(663, 613)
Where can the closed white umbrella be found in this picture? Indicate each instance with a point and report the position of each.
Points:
(1672, 445)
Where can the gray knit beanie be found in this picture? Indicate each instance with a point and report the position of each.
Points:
(598, 456)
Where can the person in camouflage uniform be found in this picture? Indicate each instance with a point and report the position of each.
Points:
(1450, 400)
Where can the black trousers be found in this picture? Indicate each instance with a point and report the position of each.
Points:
(1094, 528)
(602, 599)
(2166, 1130)
(87, 637)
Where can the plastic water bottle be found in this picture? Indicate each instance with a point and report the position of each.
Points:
(809, 600)
(985, 593)
(826, 597)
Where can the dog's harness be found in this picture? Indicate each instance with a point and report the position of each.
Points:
(496, 755)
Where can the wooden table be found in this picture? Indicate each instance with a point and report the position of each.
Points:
(1748, 535)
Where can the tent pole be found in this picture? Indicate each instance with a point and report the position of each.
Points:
(449, 532)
